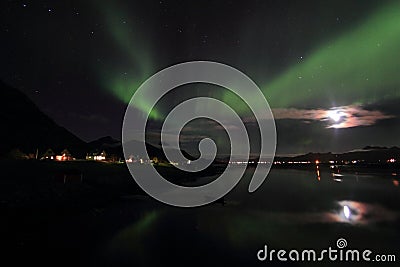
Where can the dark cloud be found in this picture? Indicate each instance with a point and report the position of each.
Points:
(336, 117)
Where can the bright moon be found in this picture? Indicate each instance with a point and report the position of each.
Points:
(334, 115)
(346, 211)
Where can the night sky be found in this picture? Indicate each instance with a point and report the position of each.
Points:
(329, 69)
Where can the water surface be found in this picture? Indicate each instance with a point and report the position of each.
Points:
(292, 209)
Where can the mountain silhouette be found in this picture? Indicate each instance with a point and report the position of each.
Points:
(27, 128)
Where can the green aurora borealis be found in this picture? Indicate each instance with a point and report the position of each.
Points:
(329, 69)
(358, 66)
(126, 39)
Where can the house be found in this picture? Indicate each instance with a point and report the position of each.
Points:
(65, 156)
(49, 155)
